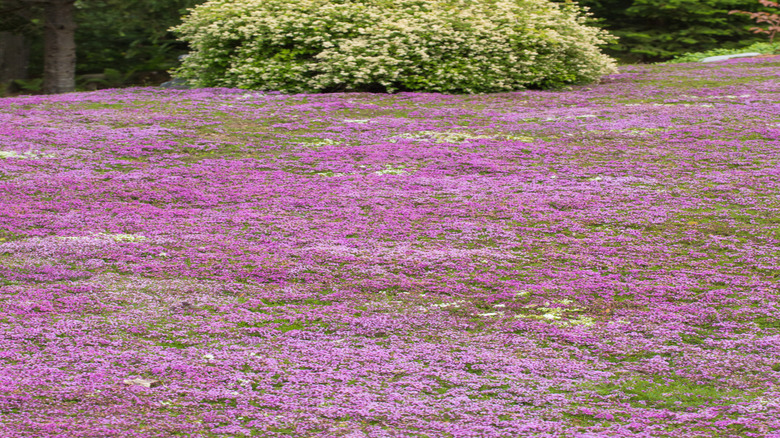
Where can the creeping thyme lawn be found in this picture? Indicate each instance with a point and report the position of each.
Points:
(601, 261)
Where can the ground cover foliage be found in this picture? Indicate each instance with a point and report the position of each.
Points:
(763, 48)
(595, 262)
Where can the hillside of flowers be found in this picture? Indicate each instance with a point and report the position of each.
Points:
(600, 261)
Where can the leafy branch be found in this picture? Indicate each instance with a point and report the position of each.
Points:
(764, 17)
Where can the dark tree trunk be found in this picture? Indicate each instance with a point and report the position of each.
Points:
(14, 57)
(59, 47)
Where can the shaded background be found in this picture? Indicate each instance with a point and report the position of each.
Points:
(127, 42)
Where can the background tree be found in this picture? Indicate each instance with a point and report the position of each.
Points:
(113, 40)
(129, 35)
(772, 19)
(59, 46)
(17, 26)
(53, 19)
(657, 30)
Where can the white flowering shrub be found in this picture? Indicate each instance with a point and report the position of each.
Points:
(449, 46)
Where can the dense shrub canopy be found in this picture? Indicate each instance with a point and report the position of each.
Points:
(452, 46)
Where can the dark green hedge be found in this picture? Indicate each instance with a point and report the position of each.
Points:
(658, 30)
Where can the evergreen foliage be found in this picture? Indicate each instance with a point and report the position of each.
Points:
(657, 30)
(128, 35)
(119, 35)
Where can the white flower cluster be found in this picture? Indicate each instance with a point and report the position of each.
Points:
(451, 46)
(388, 169)
(24, 155)
(455, 137)
(119, 237)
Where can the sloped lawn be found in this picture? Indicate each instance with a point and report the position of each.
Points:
(596, 262)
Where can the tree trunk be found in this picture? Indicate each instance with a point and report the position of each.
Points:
(59, 47)
(14, 57)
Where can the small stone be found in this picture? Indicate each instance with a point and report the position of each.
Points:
(725, 57)
(143, 382)
(176, 84)
(184, 306)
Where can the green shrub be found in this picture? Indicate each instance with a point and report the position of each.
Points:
(451, 46)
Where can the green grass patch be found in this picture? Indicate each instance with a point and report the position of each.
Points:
(668, 394)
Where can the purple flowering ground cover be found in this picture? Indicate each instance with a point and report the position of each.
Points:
(596, 262)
